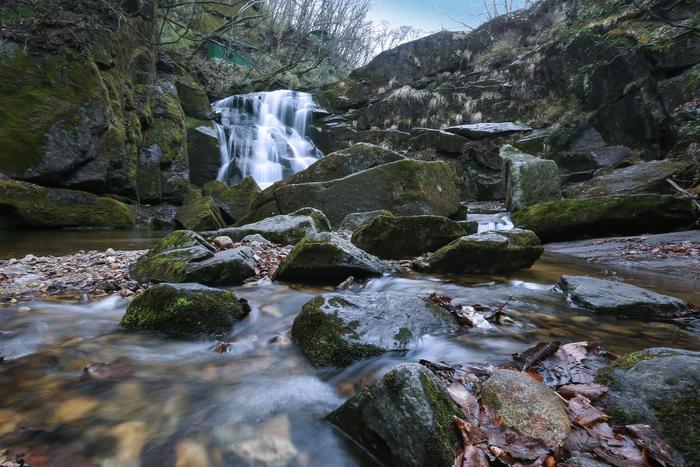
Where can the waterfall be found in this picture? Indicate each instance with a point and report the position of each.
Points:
(264, 135)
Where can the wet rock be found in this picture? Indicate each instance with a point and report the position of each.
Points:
(528, 179)
(567, 219)
(527, 405)
(285, 229)
(658, 387)
(341, 329)
(228, 267)
(486, 253)
(405, 237)
(357, 219)
(203, 152)
(327, 258)
(234, 202)
(184, 310)
(619, 299)
(405, 418)
(484, 130)
(199, 212)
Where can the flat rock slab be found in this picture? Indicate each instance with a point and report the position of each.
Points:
(619, 299)
(483, 130)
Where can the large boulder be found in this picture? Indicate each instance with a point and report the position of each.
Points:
(528, 179)
(404, 419)
(404, 237)
(486, 253)
(227, 267)
(658, 387)
(192, 96)
(327, 258)
(234, 202)
(354, 220)
(203, 152)
(527, 405)
(405, 187)
(199, 212)
(285, 229)
(618, 299)
(27, 205)
(184, 310)
(337, 331)
(610, 215)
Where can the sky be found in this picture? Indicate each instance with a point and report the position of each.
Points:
(428, 15)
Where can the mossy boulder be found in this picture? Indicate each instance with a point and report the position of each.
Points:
(169, 259)
(658, 387)
(192, 96)
(203, 151)
(355, 220)
(184, 310)
(405, 418)
(404, 237)
(527, 405)
(228, 267)
(485, 253)
(199, 212)
(27, 205)
(235, 202)
(619, 299)
(528, 179)
(338, 330)
(567, 219)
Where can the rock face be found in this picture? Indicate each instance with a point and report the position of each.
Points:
(283, 229)
(405, 418)
(619, 299)
(340, 330)
(528, 180)
(203, 152)
(404, 237)
(610, 215)
(184, 310)
(483, 130)
(27, 205)
(326, 258)
(486, 253)
(199, 212)
(658, 387)
(357, 219)
(527, 405)
(234, 202)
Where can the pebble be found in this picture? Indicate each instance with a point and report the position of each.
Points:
(223, 242)
(110, 252)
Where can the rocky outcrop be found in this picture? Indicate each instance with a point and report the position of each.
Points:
(404, 237)
(405, 418)
(234, 202)
(528, 179)
(618, 299)
(199, 213)
(567, 219)
(340, 330)
(184, 310)
(329, 259)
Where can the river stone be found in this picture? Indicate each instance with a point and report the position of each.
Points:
(327, 258)
(658, 387)
(357, 219)
(199, 213)
(168, 260)
(567, 219)
(619, 299)
(184, 310)
(404, 237)
(483, 130)
(234, 202)
(528, 179)
(527, 405)
(228, 267)
(336, 330)
(486, 253)
(285, 229)
(404, 419)
(405, 187)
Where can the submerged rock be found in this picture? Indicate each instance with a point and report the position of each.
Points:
(184, 310)
(355, 220)
(610, 215)
(339, 330)
(658, 387)
(484, 130)
(235, 202)
(528, 179)
(405, 418)
(486, 253)
(199, 213)
(527, 405)
(619, 299)
(327, 258)
(404, 237)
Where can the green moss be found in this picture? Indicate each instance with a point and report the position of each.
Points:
(680, 423)
(199, 213)
(624, 363)
(403, 336)
(440, 446)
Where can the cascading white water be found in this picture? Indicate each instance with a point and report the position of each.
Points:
(264, 135)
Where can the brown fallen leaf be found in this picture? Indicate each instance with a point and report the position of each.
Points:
(653, 445)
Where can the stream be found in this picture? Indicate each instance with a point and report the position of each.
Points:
(78, 390)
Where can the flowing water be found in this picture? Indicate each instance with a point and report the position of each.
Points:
(146, 400)
(264, 135)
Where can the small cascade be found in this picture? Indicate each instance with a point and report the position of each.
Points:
(489, 222)
(264, 135)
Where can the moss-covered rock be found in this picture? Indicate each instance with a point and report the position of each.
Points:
(203, 151)
(609, 215)
(355, 220)
(327, 258)
(486, 253)
(184, 310)
(235, 202)
(528, 179)
(404, 237)
(192, 96)
(28, 205)
(199, 212)
(405, 418)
